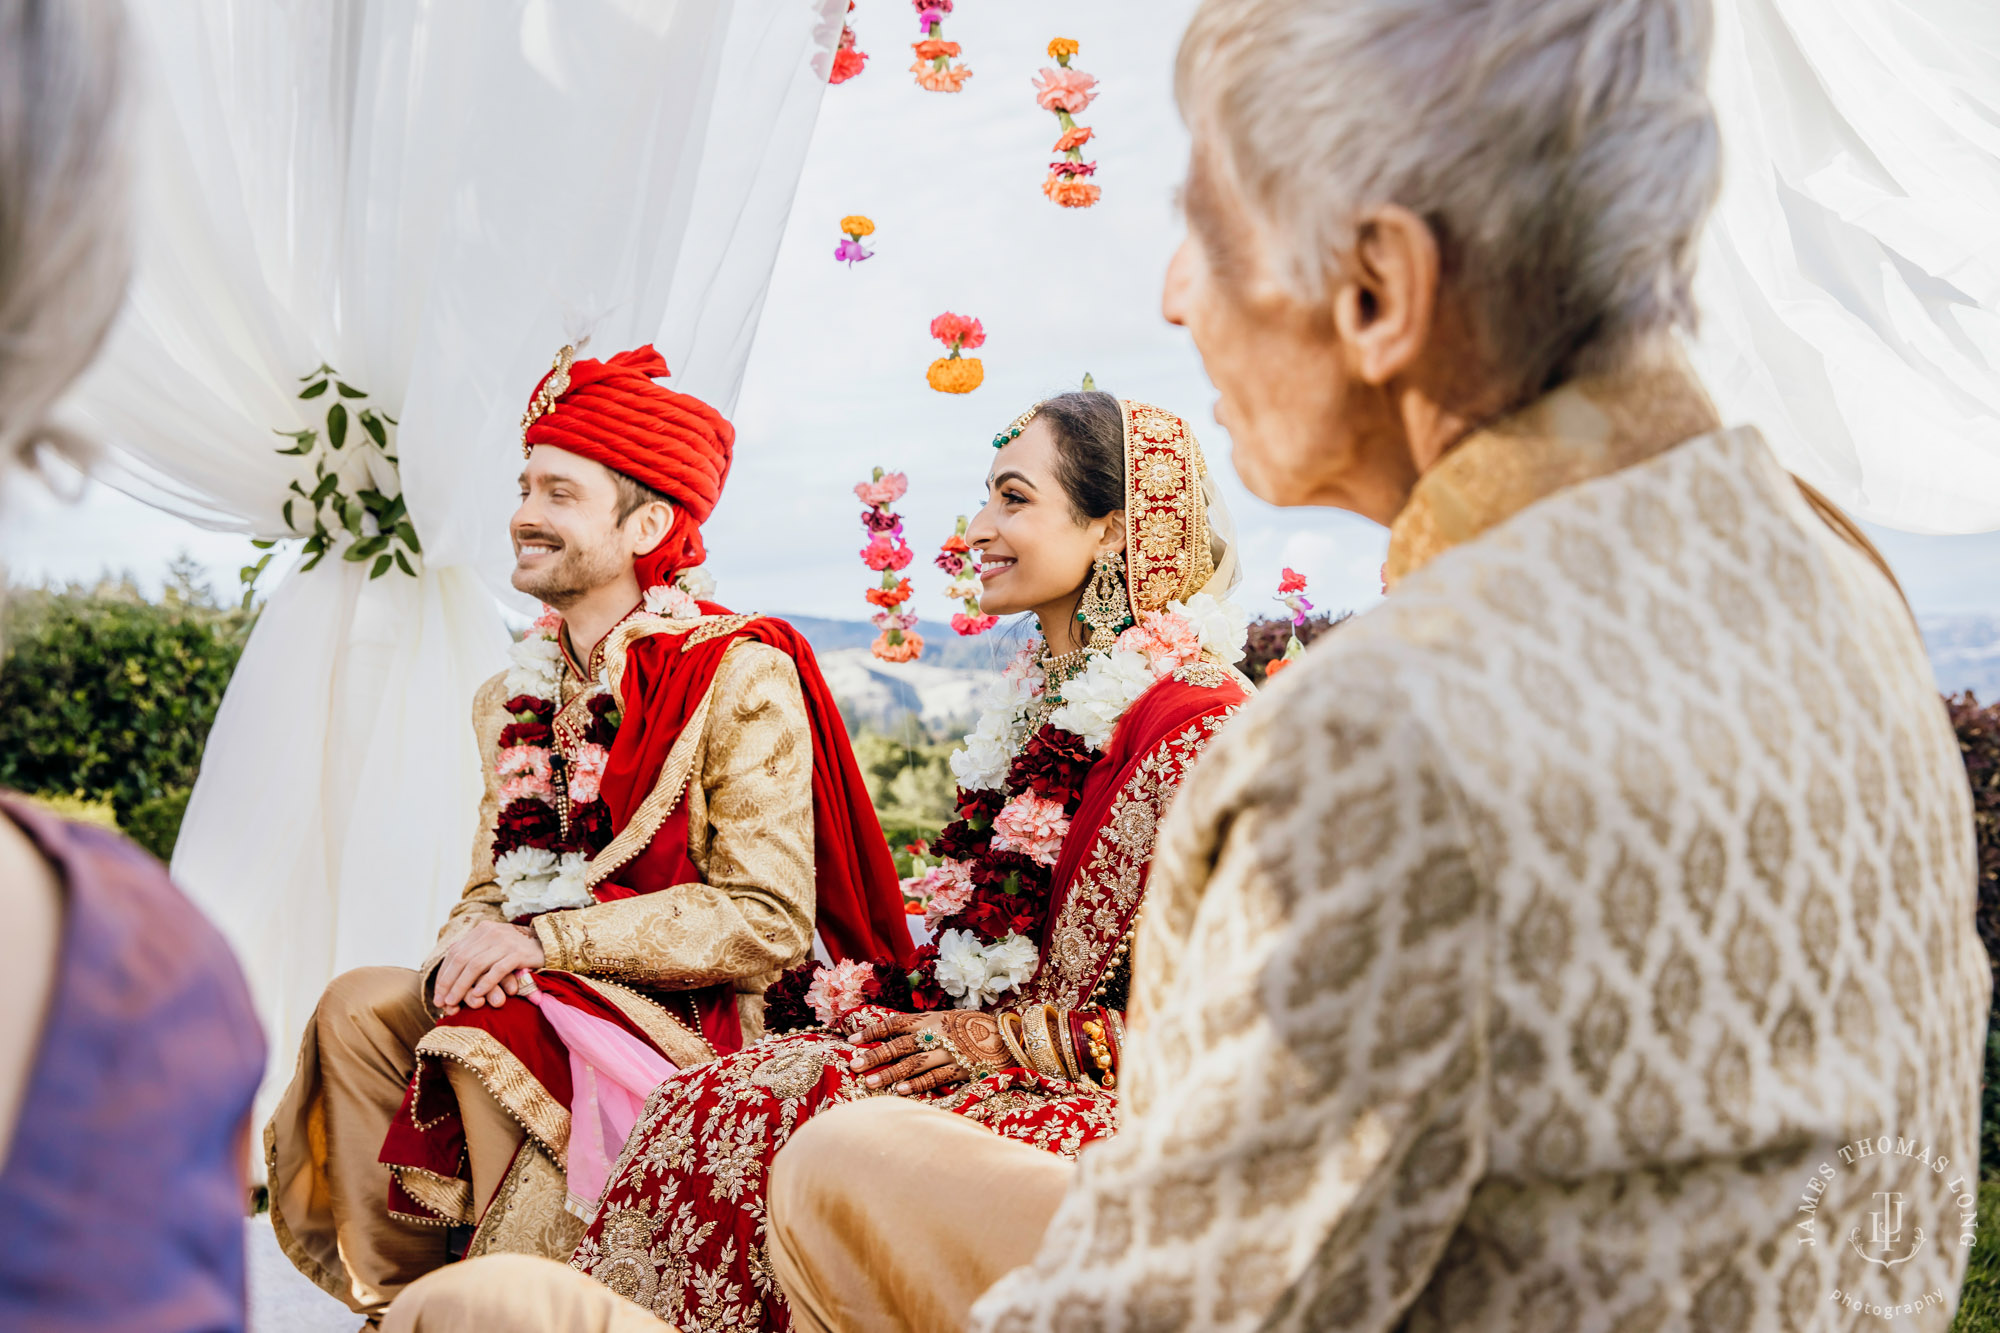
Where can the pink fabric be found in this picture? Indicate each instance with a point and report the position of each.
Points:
(613, 1073)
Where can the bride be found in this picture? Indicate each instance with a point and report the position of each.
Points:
(1101, 520)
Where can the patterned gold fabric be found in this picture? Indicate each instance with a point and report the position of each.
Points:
(750, 830)
(1540, 950)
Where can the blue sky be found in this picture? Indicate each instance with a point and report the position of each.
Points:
(836, 379)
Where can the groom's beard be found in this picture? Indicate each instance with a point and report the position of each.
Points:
(571, 574)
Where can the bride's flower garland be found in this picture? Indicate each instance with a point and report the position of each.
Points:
(540, 857)
(1020, 780)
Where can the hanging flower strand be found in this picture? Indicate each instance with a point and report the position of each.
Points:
(854, 228)
(847, 58)
(934, 69)
(1067, 92)
(888, 553)
(955, 373)
(1292, 592)
(956, 562)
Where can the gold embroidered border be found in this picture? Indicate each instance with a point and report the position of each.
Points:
(519, 1092)
(1166, 518)
(450, 1199)
(682, 1044)
(1102, 904)
(666, 794)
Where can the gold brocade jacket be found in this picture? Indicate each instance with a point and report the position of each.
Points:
(1580, 940)
(750, 831)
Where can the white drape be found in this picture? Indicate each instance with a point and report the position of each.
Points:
(428, 196)
(1850, 281)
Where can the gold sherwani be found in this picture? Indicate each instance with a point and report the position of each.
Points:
(1543, 949)
(747, 776)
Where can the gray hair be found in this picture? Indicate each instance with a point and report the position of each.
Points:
(1564, 152)
(64, 248)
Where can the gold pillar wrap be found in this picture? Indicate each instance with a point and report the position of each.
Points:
(889, 1215)
(516, 1293)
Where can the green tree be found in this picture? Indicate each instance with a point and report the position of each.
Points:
(107, 696)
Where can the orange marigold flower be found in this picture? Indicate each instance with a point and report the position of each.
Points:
(1272, 668)
(857, 226)
(940, 80)
(956, 374)
(935, 48)
(1071, 192)
(1073, 139)
(1064, 46)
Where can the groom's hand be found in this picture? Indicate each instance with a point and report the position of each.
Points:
(478, 969)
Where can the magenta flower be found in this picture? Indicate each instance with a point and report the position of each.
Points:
(852, 251)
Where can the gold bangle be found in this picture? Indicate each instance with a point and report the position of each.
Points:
(1040, 1043)
(1065, 1041)
(1011, 1039)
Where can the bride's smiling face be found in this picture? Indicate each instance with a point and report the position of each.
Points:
(1035, 550)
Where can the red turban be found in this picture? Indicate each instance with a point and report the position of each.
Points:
(612, 412)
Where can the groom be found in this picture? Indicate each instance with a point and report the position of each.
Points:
(669, 793)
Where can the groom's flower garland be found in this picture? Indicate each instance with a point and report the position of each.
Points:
(1019, 783)
(539, 856)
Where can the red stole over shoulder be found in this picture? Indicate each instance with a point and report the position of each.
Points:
(859, 902)
(1163, 711)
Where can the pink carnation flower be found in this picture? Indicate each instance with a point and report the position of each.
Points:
(1291, 581)
(586, 771)
(522, 760)
(839, 990)
(1168, 641)
(971, 625)
(884, 492)
(950, 888)
(1033, 826)
(1068, 90)
(526, 786)
(547, 623)
(886, 552)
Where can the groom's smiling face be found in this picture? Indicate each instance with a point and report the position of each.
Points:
(569, 538)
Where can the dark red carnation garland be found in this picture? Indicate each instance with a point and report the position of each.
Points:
(531, 821)
(1010, 893)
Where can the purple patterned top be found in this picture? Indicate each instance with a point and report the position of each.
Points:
(122, 1201)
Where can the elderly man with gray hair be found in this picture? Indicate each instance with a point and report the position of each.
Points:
(1582, 939)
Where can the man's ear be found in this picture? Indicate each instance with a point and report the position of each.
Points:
(1385, 306)
(648, 526)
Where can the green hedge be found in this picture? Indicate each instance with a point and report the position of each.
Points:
(108, 696)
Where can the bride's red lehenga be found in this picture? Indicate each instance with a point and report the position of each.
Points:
(681, 1226)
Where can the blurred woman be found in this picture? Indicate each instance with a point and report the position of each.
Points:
(127, 1074)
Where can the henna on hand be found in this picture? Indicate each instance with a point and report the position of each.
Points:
(898, 1075)
(891, 1026)
(977, 1036)
(936, 1078)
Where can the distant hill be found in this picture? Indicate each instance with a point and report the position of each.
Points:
(942, 648)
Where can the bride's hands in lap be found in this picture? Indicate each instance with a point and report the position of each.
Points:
(915, 1054)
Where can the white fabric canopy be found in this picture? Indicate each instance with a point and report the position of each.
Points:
(429, 197)
(1850, 281)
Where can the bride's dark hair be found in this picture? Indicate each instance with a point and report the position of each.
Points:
(1090, 450)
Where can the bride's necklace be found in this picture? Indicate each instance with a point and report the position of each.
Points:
(1058, 669)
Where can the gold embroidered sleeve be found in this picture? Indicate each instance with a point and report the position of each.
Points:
(482, 896)
(1303, 1116)
(750, 821)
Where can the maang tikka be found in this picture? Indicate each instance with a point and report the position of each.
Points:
(1105, 606)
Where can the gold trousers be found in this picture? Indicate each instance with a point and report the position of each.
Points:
(516, 1293)
(890, 1215)
(329, 1193)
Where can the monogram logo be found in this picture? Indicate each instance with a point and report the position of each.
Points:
(1885, 1244)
